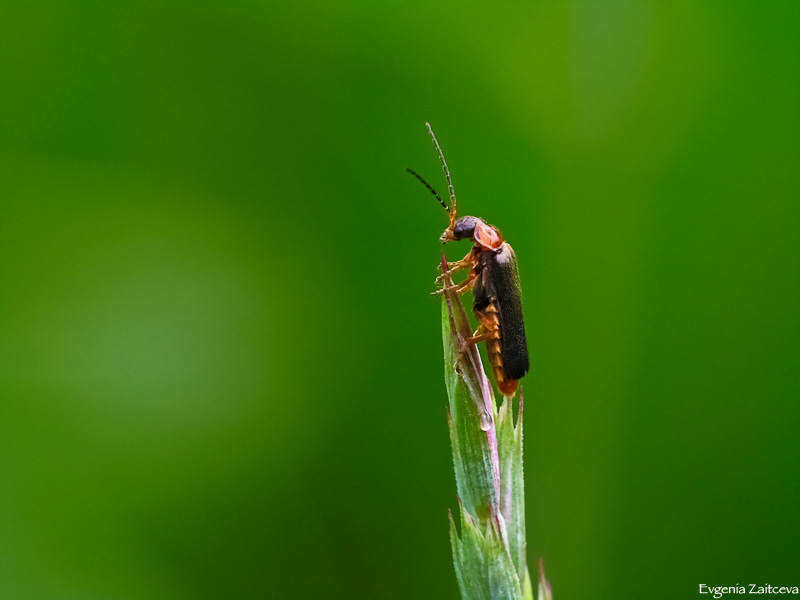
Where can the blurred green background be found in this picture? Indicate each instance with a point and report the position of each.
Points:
(220, 364)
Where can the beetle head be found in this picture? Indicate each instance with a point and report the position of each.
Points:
(459, 229)
(471, 228)
(475, 229)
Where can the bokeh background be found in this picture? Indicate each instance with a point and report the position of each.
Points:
(221, 369)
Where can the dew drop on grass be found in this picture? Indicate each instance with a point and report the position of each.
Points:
(486, 421)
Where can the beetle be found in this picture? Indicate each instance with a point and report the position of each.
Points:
(494, 280)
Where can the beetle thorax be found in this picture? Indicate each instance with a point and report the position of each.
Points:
(487, 236)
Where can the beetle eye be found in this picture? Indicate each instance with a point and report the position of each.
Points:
(465, 227)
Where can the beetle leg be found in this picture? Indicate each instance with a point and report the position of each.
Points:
(467, 285)
(481, 335)
(458, 288)
(452, 267)
(488, 319)
(470, 260)
(487, 329)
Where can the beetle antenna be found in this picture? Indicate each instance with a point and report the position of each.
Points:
(444, 166)
(425, 183)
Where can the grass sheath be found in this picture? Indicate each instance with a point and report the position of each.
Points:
(489, 554)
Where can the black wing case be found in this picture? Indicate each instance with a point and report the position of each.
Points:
(502, 275)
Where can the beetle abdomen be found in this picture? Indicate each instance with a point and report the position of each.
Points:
(494, 348)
